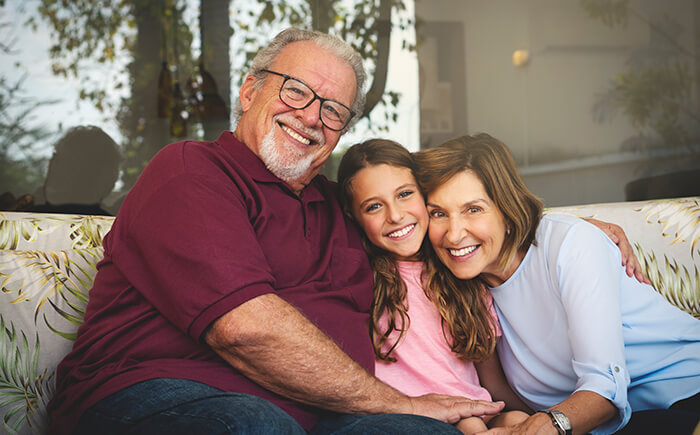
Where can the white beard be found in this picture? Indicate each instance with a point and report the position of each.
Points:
(283, 160)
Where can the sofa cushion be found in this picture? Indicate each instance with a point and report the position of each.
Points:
(665, 235)
(47, 266)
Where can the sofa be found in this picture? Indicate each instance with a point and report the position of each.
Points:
(48, 263)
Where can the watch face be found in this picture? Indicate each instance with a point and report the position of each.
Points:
(562, 420)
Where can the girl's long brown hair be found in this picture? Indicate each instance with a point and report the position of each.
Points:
(462, 308)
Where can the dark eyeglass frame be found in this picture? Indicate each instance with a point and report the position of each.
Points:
(316, 97)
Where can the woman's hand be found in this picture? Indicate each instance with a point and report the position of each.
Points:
(585, 410)
(618, 236)
(537, 424)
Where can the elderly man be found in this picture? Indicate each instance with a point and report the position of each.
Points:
(233, 296)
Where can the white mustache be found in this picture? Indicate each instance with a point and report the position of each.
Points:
(297, 125)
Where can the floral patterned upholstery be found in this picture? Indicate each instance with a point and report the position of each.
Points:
(665, 235)
(48, 263)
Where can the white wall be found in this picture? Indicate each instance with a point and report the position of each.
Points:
(544, 110)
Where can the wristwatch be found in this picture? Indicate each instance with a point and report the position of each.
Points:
(559, 420)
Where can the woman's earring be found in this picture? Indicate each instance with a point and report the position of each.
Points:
(508, 231)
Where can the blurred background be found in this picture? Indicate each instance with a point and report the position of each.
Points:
(598, 100)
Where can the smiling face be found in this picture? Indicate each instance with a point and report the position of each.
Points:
(293, 143)
(467, 230)
(388, 206)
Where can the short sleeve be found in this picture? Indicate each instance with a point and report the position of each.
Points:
(190, 250)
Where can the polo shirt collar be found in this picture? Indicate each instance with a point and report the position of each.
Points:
(257, 170)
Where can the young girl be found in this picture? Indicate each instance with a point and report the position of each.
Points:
(429, 335)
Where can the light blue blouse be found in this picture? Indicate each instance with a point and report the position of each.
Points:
(573, 320)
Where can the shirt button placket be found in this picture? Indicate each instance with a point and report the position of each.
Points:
(305, 214)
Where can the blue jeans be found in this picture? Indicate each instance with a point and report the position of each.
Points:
(683, 417)
(178, 406)
(404, 424)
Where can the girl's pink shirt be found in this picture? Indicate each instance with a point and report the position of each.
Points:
(425, 364)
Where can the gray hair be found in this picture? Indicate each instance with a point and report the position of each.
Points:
(266, 56)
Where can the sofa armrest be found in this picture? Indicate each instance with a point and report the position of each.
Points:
(47, 266)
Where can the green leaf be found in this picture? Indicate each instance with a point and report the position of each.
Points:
(22, 388)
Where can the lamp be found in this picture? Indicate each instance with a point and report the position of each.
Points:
(200, 99)
(521, 57)
(213, 105)
(209, 104)
(165, 92)
(178, 124)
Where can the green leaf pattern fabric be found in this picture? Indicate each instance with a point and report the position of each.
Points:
(48, 263)
(665, 236)
(47, 266)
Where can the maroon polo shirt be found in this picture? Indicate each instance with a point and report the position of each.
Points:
(206, 228)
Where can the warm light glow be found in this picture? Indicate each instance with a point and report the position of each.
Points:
(520, 57)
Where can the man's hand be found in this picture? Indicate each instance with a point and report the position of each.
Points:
(451, 409)
(629, 259)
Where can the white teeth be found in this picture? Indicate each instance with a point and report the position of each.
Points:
(401, 232)
(295, 135)
(462, 252)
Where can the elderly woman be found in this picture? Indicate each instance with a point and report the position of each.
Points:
(583, 344)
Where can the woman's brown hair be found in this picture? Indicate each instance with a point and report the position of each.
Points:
(460, 310)
(491, 162)
(489, 159)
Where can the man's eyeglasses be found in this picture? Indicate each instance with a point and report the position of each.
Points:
(297, 95)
